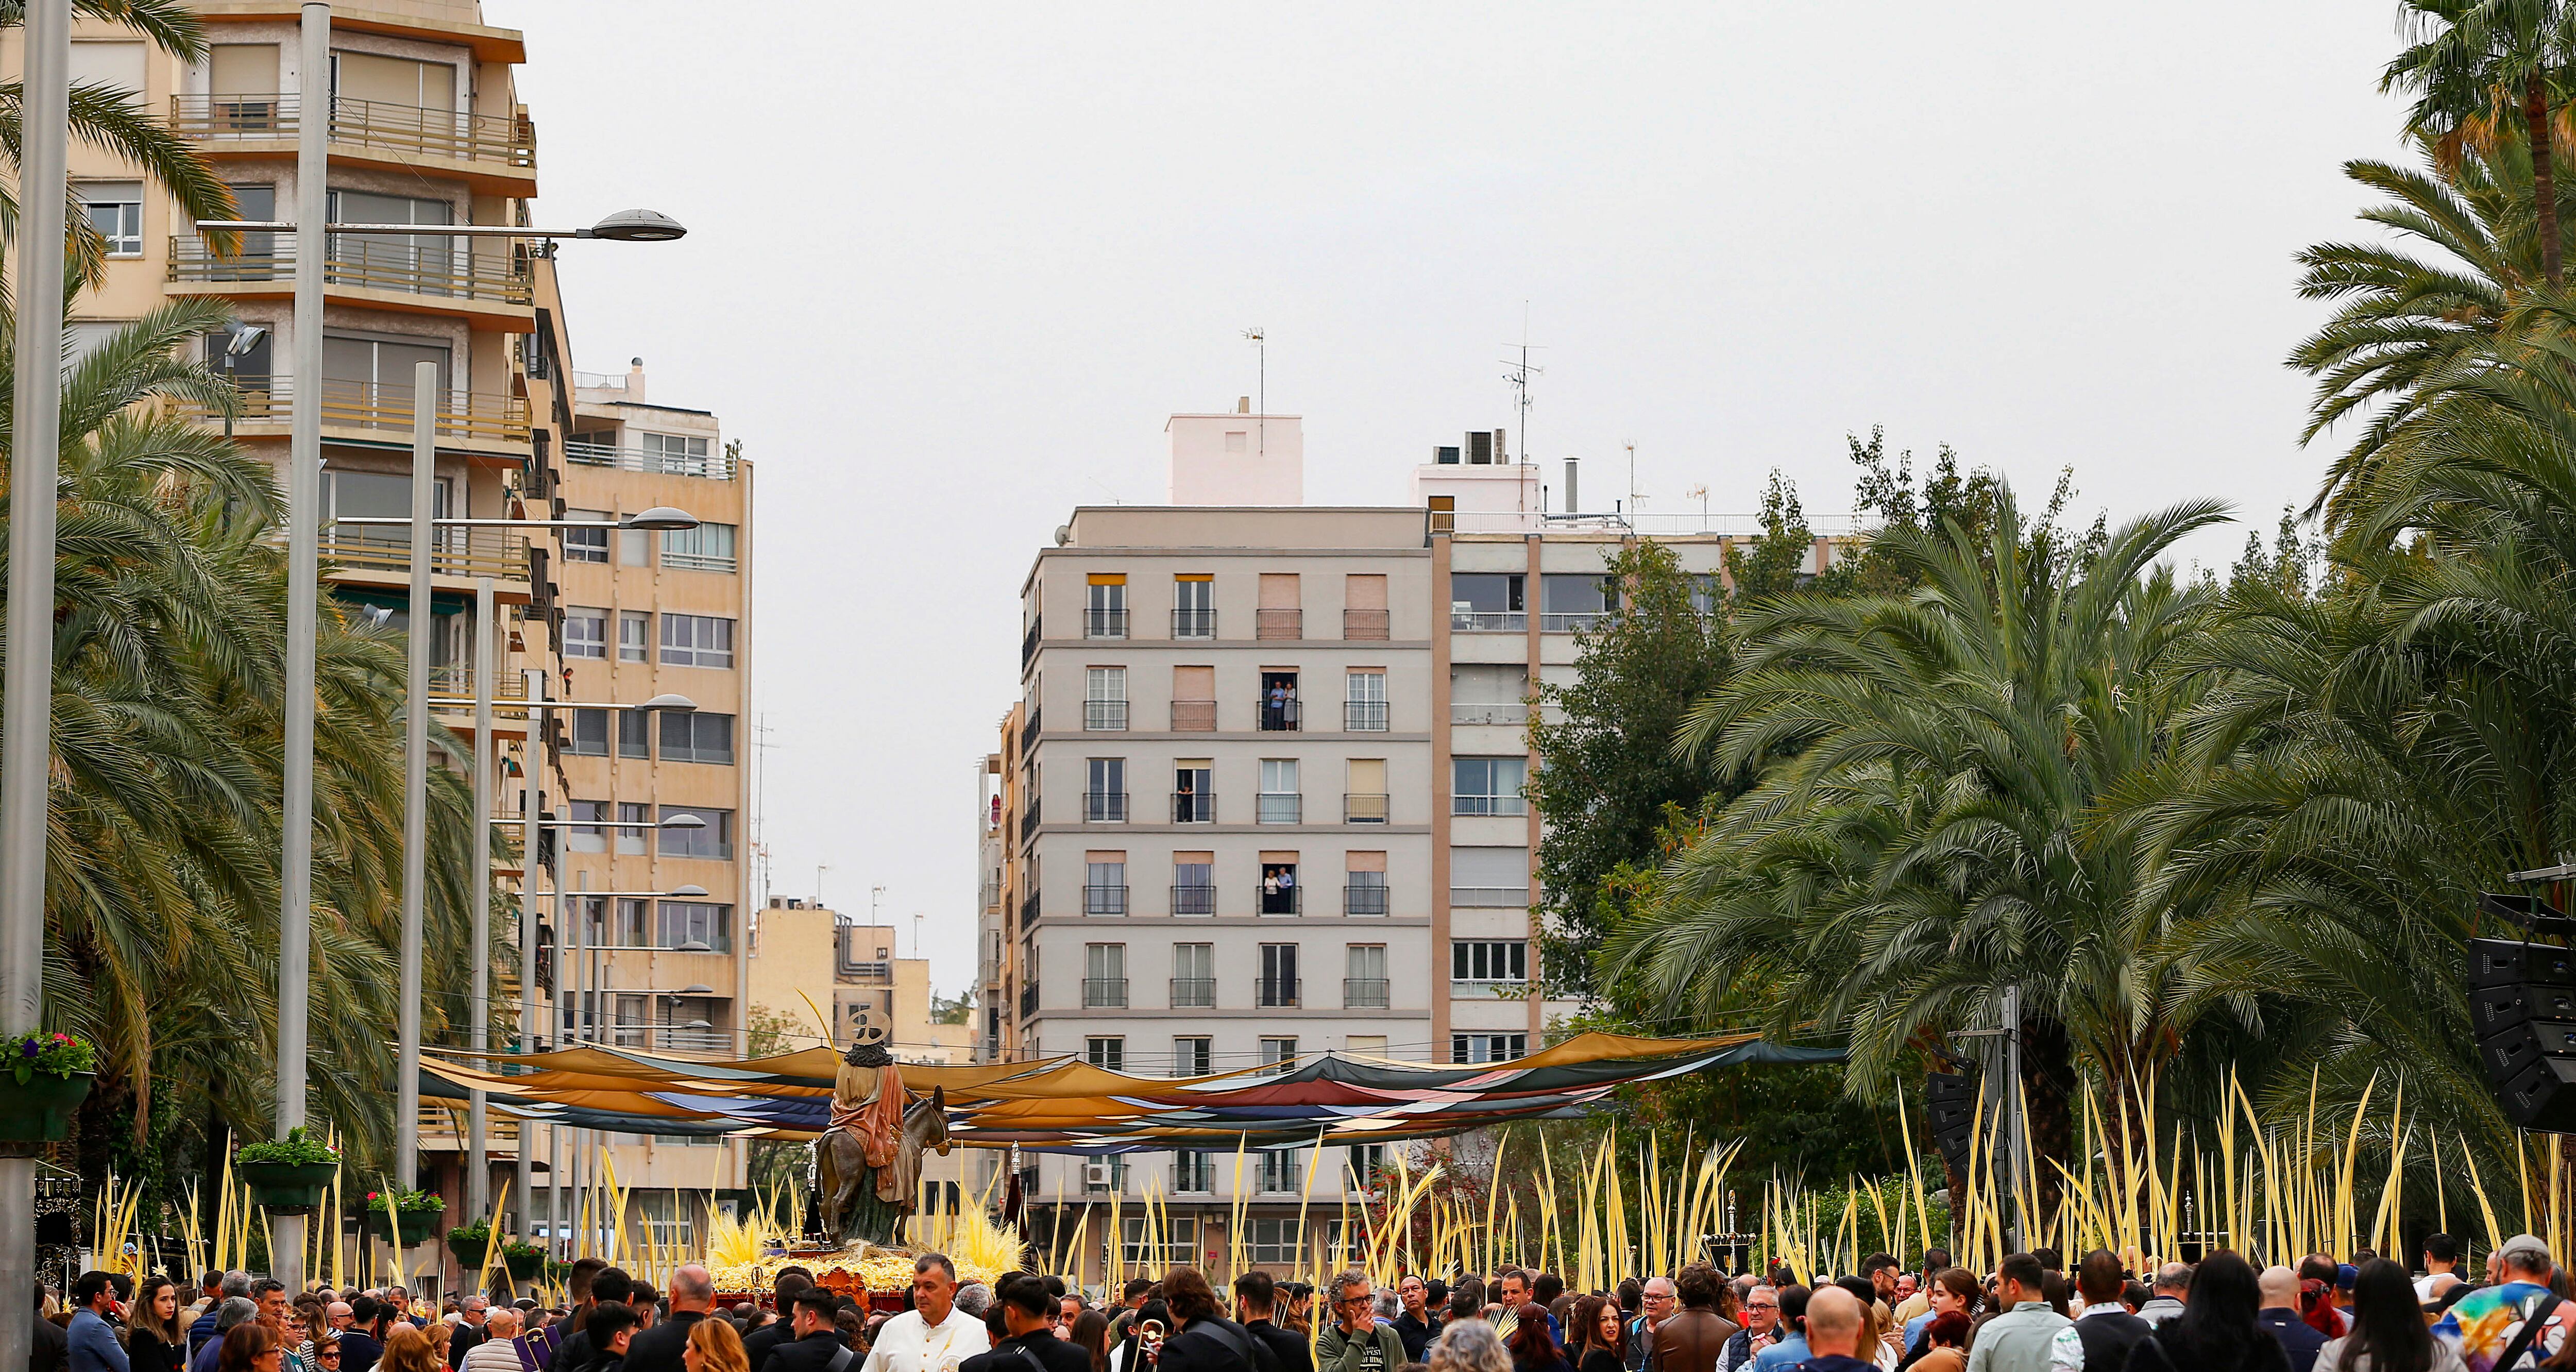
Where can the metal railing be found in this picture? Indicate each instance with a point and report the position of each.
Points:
(1364, 716)
(1193, 716)
(713, 466)
(1029, 911)
(1104, 807)
(1280, 808)
(1104, 993)
(1194, 623)
(1194, 900)
(1029, 645)
(1512, 712)
(1286, 716)
(1364, 993)
(458, 679)
(1029, 999)
(456, 273)
(1029, 731)
(1574, 621)
(1104, 715)
(1364, 900)
(1104, 900)
(1277, 993)
(1489, 897)
(1362, 808)
(1194, 807)
(1489, 805)
(375, 405)
(1029, 817)
(1104, 624)
(381, 124)
(1193, 993)
(1269, 623)
(1489, 621)
(1364, 624)
(1288, 900)
(452, 552)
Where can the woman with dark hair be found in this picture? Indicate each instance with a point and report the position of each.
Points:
(2388, 1331)
(1532, 1348)
(1091, 1335)
(250, 1346)
(1597, 1337)
(2216, 1331)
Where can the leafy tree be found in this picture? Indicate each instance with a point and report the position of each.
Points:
(2474, 68)
(1768, 564)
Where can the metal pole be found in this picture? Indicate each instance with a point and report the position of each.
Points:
(531, 953)
(478, 1164)
(2013, 1126)
(27, 697)
(415, 871)
(303, 587)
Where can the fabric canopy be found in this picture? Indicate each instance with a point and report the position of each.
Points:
(1061, 1104)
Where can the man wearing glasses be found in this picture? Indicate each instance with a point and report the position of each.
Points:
(1355, 1341)
(1419, 1324)
(1658, 1307)
(1761, 1329)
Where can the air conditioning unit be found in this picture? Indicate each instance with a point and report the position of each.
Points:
(1096, 1175)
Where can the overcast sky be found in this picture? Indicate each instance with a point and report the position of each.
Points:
(951, 266)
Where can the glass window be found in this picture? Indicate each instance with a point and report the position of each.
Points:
(1487, 600)
(1487, 1047)
(1488, 785)
(696, 736)
(674, 454)
(1364, 893)
(586, 836)
(589, 734)
(1104, 698)
(585, 632)
(696, 641)
(1280, 1173)
(634, 828)
(1193, 607)
(1489, 960)
(1193, 888)
(634, 734)
(1365, 705)
(686, 922)
(586, 545)
(1570, 601)
(1193, 1172)
(1193, 1057)
(1279, 798)
(1109, 1054)
(1104, 889)
(1275, 1242)
(706, 548)
(1104, 793)
(116, 210)
(715, 840)
(634, 633)
(1105, 610)
(1279, 983)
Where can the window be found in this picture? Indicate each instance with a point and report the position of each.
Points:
(1192, 1057)
(1364, 891)
(1193, 1172)
(1278, 976)
(715, 840)
(586, 836)
(1279, 1171)
(696, 641)
(1193, 606)
(706, 548)
(634, 921)
(419, 86)
(1194, 883)
(586, 544)
(1104, 698)
(1487, 1047)
(1278, 1055)
(1487, 602)
(243, 80)
(1180, 1242)
(1105, 608)
(634, 827)
(585, 633)
(1367, 1160)
(1364, 981)
(1280, 892)
(1488, 693)
(1280, 708)
(1193, 792)
(634, 547)
(634, 734)
(1364, 606)
(1193, 976)
(1280, 613)
(1494, 878)
(1108, 1053)
(695, 926)
(1364, 796)
(1193, 699)
(1487, 785)
(1104, 884)
(1104, 976)
(115, 209)
(696, 736)
(1489, 961)
(678, 455)
(1571, 601)
(409, 261)
(665, 1213)
(1364, 708)
(1280, 801)
(118, 64)
(589, 734)
(634, 636)
(1104, 792)
(1275, 1242)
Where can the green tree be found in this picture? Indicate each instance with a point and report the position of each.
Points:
(777, 1166)
(1767, 564)
(2476, 66)
(1606, 772)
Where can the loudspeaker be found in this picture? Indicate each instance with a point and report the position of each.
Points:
(2522, 1006)
(1951, 1101)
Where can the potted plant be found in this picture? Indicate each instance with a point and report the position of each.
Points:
(406, 1217)
(524, 1259)
(287, 1175)
(471, 1243)
(47, 1077)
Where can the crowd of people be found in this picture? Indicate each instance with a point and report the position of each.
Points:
(2029, 1315)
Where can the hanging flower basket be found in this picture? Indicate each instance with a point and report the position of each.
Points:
(43, 1079)
(289, 1176)
(525, 1260)
(471, 1243)
(417, 1213)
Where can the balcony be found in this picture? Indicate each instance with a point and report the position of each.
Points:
(1104, 807)
(1276, 808)
(1574, 621)
(457, 679)
(1286, 715)
(1289, 899)
(1364, 716)
(712, 466)
(1028, 646)
(1029, 731)
(449, 276)
(1269, 623)
(1104, 993)
(1029, 911)
(1028, 1000)
(1029, 817)
(502, 143)
(1364, 993)
(463, 417)
(1364, 625)
(1104, 900)
(1193, 993)
(1363, 809)
(1489, 897)
(1511, 712)
(1104, 624)
(1194, 807)
(1193, 623)
(368, 549)
(1277, 993)
(1108, 716)
(1489, 621)
(1364, 900)
(1193, 716)
(1194, 900)
(1489, 805)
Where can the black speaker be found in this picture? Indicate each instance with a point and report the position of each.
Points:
(1951, 1100)
(2522, 1006)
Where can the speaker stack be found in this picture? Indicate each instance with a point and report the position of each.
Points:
(2522, 1006)
(1951, 1100)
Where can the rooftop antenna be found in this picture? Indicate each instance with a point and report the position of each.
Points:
(1260, 339)
(1632, 476)
(1519, 377)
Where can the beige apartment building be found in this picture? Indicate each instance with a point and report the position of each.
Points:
(808, 956)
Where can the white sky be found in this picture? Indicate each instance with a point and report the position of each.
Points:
(950, 267)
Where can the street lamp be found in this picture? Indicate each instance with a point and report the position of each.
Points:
(625, 226)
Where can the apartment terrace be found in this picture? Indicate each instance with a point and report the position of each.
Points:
(488, 288)
(496, 154)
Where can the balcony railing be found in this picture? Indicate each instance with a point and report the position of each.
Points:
(1282, 716)
(1193, 716)
(1573, 621)
(1104, 993)
(1269, 623)
(1104, 624)
(1194, 807)
(1193, 993)
(1193, 623)
(1104, 900)
(1511, 712)
(1028, 1000)
(457, 679)
(1282, 900)
(1104, 807)
(1364, 993)
(1364, 716)
(1029, 911)
(1277, 993)
(452, 552)
(1489, 897)
(1109, 715)
(1029, 645)
(1277, 808)
(713, 466)
(1489, 621)
(1489, 805)
(380, 124)
(1364, 900)
(1364, 624)
(472, 416)
(1361, 808)
(452, 272)
(1029, 731)
(1194, 900)
(1029, 817)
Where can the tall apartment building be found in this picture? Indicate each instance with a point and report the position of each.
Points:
(809, 956)
(1263, 793)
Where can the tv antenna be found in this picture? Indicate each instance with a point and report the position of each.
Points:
(1519, 379)
(1260, 340)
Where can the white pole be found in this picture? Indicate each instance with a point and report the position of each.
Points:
(415, 870)
(27, 698)
(303, 589)
(478, 1164)
(531, 952)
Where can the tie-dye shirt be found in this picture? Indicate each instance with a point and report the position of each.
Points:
(2486, 1320)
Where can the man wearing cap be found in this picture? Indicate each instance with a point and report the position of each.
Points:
(2515, 1323)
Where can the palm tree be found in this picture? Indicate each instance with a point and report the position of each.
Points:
(2473, 65)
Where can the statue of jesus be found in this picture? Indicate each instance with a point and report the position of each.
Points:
(867, 1162)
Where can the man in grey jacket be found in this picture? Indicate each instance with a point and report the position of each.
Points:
(1355, 1341)
(2028, 1336)
(2172, 1281)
